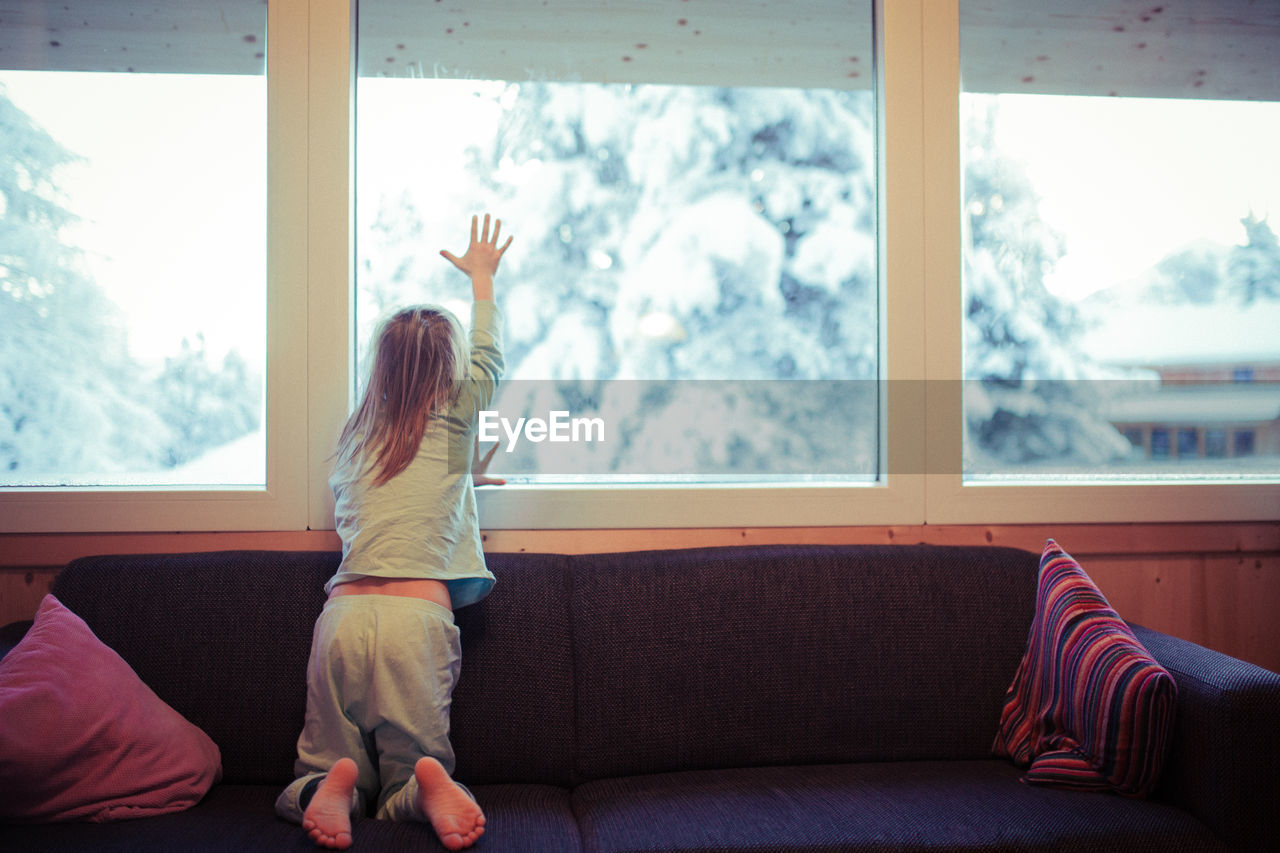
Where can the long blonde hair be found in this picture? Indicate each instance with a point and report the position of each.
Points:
(417, 369)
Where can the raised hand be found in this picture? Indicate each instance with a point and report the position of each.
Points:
(482, 257)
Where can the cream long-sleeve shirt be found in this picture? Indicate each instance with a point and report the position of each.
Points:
(422, 523)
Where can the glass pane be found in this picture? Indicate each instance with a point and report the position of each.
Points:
(695, 224)
(132, 262)
(1121, 274)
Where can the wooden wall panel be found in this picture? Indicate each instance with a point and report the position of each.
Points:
(1227, 602)
(21, 590)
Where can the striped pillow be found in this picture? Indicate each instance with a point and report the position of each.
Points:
(1089, 708)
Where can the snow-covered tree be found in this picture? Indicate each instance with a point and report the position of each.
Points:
(1240, 277)
(677, 233)
(1255, 267)
(203, 406)
(681, 233)
(1027, 398)
(721, 233)
(75, 406)
(68, 395)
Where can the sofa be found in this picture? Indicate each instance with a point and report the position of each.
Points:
(766, 698)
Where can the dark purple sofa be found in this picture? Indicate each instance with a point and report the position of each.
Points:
(780, 698)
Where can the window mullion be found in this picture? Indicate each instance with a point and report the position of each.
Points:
(329, 150)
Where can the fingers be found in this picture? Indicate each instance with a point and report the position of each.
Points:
(453, 259)
(497, 228)
(484, 244)
(489, 240)
(483, 236)
(480, 465)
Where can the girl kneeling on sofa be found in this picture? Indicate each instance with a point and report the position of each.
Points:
(385, 651)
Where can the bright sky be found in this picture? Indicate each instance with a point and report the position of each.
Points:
(1129, 180)
(172, 198)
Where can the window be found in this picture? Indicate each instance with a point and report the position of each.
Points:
(1160, 447)
(1134, 436)
(695, 267)
(1117, 246)
(1027, 418)
(980, 441)
(133, 278)
(1188, 443)
(1215, 443)
(161, 331)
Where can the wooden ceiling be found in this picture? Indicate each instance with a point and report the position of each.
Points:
(1180, 48)
(213, 37)
(1227, 49)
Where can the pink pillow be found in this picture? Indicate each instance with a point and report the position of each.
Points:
(82, 738)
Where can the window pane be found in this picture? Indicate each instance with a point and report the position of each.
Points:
(1188, 442)
(132, 264)
(1245, 442)
(1121, 273)
(1215, 443)
(695, 233)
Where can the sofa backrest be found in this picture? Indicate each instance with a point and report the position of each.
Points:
(222, 637)
(589, 666)
(755, 656)
(513, 707)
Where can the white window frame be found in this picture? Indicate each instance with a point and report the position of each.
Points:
(897, 498)
(949, 500)
(309, 364)
(282, 504)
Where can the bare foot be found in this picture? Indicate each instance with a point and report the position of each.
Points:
(456, 817)
(327, 819)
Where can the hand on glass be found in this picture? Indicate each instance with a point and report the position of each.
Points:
(482, 257)
(480, 465)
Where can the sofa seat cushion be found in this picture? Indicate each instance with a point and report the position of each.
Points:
(532, 818)
(901, 806)
(230, 817)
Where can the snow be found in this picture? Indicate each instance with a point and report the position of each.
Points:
(241, 462)
(1199, 405)
(1134, 333)
(832, 253)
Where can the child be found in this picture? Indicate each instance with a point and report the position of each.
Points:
(385, 652)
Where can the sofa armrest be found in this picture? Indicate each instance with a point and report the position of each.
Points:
(1224, 759)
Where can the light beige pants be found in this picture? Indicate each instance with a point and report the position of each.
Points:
(379, 685)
